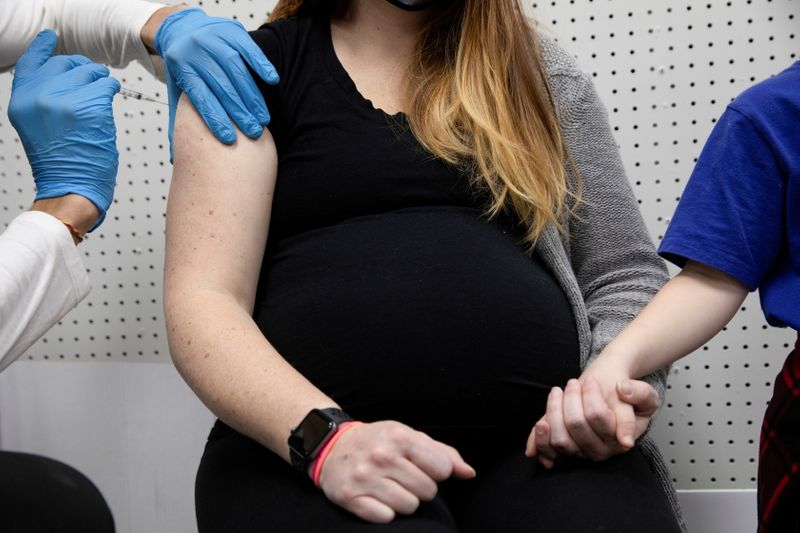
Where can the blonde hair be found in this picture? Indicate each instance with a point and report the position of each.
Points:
(479, 98)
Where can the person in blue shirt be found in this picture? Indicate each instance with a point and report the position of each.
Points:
(736, 229)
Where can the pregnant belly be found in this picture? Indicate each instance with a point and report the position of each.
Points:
(431, 316)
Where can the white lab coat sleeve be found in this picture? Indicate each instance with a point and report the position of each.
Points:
(42, 277)
(106, 31)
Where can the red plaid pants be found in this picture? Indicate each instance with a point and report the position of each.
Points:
(779, 454)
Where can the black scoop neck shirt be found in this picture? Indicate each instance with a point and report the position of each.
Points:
(382, 283)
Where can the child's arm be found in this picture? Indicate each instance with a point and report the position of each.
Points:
(685, 314)
(595, 418)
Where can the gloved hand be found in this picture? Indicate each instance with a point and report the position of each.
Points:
(205, 58)
(61, 109)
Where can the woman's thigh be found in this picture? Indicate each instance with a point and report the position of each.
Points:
(514, 494)
(243, 487)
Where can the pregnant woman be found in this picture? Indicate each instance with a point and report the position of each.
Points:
(376, 296)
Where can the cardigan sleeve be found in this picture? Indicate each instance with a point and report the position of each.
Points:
(612, 256)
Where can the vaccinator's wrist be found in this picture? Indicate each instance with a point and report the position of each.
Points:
(148, 32)
(73, 210)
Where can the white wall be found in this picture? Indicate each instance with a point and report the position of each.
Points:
(136, 430)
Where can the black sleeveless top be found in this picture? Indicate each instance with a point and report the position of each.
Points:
(382, 282)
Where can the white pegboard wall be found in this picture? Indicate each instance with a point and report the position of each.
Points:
(665, 70)
(122, 316)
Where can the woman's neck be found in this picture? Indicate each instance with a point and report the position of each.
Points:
(374, 41)
(376, 28)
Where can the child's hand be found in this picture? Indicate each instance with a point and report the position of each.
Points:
(597, 417)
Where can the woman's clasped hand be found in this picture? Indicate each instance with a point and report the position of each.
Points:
(600, 415)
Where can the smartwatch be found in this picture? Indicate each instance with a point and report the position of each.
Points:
(311, 435)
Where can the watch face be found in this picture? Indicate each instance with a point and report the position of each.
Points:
(311, 433)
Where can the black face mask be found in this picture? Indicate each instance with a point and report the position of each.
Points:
(412, 5)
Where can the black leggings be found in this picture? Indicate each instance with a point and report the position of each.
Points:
(243, 487)
(40, 495)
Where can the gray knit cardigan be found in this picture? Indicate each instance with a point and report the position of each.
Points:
(606, 264)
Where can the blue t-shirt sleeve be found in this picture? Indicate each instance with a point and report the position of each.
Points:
(730, 216)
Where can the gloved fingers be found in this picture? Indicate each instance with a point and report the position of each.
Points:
(84, 74)
(173, 92)
(211, 79)
(223, 81)
(38, 52)
(107, 86)
(209, 108)
(255, 57)
(59, 64)
(239, 75)
(173, 96)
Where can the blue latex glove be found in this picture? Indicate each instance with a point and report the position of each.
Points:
(61, 109)
(205, 58)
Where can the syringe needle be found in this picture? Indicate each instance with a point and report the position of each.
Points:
(129, 93)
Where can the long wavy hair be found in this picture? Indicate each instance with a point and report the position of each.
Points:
(477, 96)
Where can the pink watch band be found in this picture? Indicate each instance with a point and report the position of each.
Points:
(323, 454)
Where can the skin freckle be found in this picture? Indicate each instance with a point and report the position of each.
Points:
(213, 235)
(210, 211)
(206, 355)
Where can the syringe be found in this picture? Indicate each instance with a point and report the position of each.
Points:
(136, 95)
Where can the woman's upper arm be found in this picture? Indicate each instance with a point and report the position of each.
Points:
(218, 210)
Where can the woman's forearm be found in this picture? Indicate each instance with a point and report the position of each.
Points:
(685, 314)
(234, 370)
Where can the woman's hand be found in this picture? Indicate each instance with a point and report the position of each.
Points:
(381, 469)
(596, 417)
